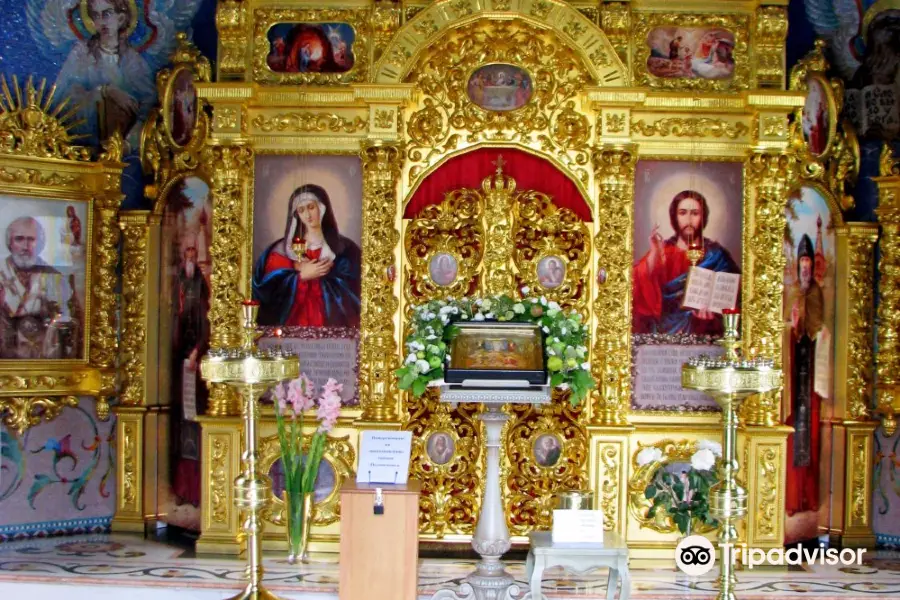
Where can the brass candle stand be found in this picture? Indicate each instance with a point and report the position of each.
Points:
(729, 380)
(251, 371)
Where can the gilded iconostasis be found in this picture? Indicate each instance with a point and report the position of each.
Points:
(140, 72)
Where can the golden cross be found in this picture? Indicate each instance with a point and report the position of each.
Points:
(499, 162)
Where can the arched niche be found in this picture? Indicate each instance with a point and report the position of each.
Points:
(531, 171)
(548, 49)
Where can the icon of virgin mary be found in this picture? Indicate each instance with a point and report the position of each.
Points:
(311, 276)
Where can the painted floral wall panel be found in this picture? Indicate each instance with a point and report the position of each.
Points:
(59, 477)
(887, 489)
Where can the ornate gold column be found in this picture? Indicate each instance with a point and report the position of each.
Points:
(762, 440)
(378, 393)
(104, 337)
(854, 366)
(771, 175)
(615, 21)
(233, 25)
(611, 357)
(769, 43)
(498, 239)
(888, 357)
(137, 355)
(230, 166)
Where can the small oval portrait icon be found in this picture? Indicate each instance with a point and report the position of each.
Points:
(547, 449)
(551, 271)
(695, 555)
(500, 87)
(184, 108)
(443, 268)
(816, 117)
(440, 448)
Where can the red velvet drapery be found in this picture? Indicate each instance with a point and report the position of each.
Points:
(529, 171)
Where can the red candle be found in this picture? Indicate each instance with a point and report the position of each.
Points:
(731, 311)
(249, 302)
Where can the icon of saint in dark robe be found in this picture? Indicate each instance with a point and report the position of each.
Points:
(311, 276)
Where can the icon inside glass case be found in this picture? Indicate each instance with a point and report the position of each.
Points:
(504, 351)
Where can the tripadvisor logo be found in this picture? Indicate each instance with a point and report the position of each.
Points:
(695, 556)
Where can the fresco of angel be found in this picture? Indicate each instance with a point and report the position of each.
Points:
(862, 40)
(110, 51)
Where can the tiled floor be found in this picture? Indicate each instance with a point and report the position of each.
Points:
(96, 566)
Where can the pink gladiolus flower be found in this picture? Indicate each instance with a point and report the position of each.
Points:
(332, 387)
(300, 393)
(329, 411)
(280, 397)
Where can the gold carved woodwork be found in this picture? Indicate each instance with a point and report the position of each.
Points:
(532, 487)
(378, 393)
(130, 492)
(888, 357)
(385, 21)
(160, 154)
(265, 18)
(231, 166)
(691, 127)
(673, 451)
(35, 125)
(772, 176)
(23, 412)
(738, 24)
(762, 474)
(447, 120)
(135, 248)
(610, 465)
(131, 449)
(768, 462)
(451, 491)
(859, 300)
(498, 201)
(768, 46)
(233, 26)
(615, 21)
(611, 356)
(858, 485)
(455, 226)
(309, 122)
(542, 230)
(219, 484)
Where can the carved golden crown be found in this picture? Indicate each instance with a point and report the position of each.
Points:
(498, 183)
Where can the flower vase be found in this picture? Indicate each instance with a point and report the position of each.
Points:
(687, 533)
(299, 517)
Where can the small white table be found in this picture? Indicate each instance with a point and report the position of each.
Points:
(581, 559)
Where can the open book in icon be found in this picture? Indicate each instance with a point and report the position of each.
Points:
(711, 290)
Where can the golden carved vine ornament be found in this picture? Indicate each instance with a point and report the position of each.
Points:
(21, 413)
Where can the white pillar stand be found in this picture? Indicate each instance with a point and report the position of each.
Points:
(490, 581)
(491, 538)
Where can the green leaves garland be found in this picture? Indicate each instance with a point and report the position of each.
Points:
(433, 330)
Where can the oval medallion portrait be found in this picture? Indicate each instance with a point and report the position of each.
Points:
(182, 115)
(500, 87)
(547, 449)
(440, 447)
(818, 116)
(443, 268)
(551, 271)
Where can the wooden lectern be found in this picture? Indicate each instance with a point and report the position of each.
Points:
(379, 552)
